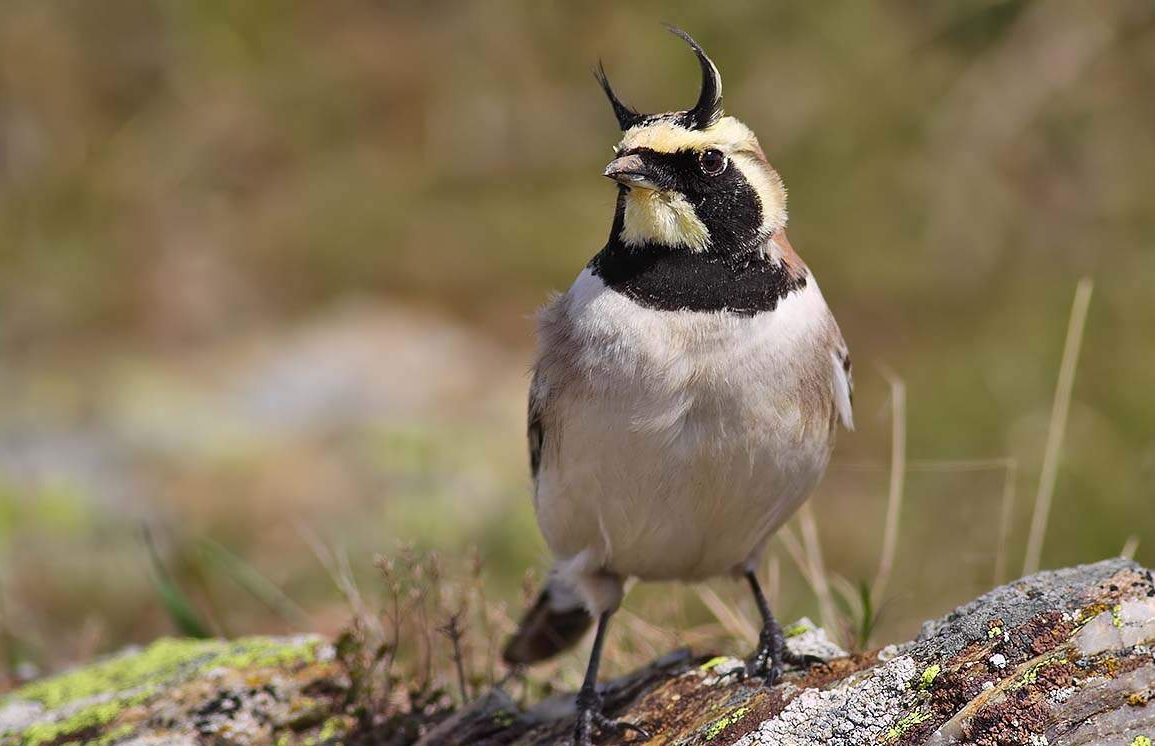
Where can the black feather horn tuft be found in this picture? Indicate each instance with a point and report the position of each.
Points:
(708, 110)
(627, 117)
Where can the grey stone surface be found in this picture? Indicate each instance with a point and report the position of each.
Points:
(850, 713)
(1063, 590)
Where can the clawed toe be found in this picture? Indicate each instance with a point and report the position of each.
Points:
(768, 671)
(619, 727)
(603, 724)
(590, 719)
(769, 667)
(800, 660)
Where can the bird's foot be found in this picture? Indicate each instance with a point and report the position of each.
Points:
(591, 719)
(763, 665)
(771, 658)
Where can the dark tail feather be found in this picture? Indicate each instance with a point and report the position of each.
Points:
(557, 621)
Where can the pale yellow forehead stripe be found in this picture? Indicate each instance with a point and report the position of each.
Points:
(727, 134)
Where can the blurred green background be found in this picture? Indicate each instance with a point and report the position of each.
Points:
(267, 275)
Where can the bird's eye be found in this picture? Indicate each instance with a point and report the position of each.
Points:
(712, 162)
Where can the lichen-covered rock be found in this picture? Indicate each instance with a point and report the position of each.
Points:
(1059, 658)
(248, 691)
(1063, 657)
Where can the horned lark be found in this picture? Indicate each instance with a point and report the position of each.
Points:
(687, 387)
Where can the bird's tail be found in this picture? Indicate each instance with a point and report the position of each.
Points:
(556, 622)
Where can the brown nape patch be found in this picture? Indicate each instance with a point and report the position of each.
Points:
(794, 264)
(756, 149)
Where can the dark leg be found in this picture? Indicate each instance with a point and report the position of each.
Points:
(589, 701)
(772, 652)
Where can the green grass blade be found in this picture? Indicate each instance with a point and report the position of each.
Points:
(176, 603)
(252, 581)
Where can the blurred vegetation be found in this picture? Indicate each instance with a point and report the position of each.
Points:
(267, 272)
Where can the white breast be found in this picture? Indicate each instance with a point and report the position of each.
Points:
(677, 442)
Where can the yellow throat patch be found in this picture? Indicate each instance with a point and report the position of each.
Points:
(662, 217)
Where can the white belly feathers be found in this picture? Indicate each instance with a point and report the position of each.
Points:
(677, 442)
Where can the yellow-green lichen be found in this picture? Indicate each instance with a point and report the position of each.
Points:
(1117, 615)
(1087, 613)
(97, 694)
(112, 736)
(1141, 741)
(154, 664)
(714, 729)
(1031, 675)
(266, 652)
(162, 662)
(713, 663)
(994, 632)
(794, 630)
(929, 675)
(905, 724)
(86, 719)
(333, 729)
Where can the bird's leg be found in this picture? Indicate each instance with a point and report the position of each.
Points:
(589, 700)
(772, 652)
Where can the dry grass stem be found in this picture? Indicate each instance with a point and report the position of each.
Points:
(932, 465)
(897, 485)
(452, 630)
(1058, 425)
(339, 572)
(1006, 518)
(732, 620)
(797, 554)
(773, 584)
(821, 583)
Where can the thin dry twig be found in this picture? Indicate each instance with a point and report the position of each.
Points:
(1130, 547)
(452, 630)
(1057, 429)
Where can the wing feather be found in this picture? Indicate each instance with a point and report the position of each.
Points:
(535, 426)
(843, 385)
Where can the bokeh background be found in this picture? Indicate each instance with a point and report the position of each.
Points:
(268, 269)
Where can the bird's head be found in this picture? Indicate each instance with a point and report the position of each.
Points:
(692, 180)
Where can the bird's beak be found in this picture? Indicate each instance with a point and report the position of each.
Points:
(631, 171)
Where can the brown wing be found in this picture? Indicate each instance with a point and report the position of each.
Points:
(535, 427)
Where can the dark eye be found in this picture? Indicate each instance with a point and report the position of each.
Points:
(712, 162)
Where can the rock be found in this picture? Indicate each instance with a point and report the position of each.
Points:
(1059, 658)
(248, 691)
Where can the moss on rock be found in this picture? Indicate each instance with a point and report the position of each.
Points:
(111, 700)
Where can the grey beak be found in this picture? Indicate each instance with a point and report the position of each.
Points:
(631, 171)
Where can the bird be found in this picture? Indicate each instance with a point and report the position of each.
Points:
(686, 391)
